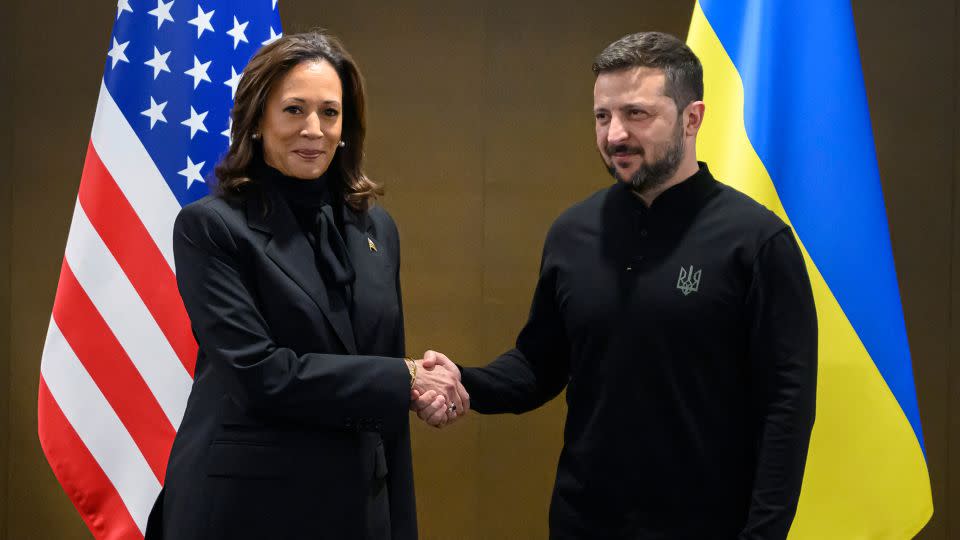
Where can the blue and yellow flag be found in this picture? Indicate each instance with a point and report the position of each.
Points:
(787, 123)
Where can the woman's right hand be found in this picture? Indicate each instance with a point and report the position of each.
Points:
(438, 397)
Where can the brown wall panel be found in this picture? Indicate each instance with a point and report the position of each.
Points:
(480, 128)
(6, 193)
(910, 91)
(539, 159)
(951, 476)
(56, 74)
(424, 147)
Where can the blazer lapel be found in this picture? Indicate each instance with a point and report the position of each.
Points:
(359, 238)
(290, 250)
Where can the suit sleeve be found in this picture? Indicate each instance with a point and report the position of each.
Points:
(783, 364)
(351, 392)
(537, 369)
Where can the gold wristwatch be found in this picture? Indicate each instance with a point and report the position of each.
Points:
(412, 368)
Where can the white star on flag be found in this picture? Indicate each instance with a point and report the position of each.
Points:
(232, 82)
(238, 32)
(199, 72)
(162, 12)
(273, 37)
(117, 54)
(192, 172)
(228, 133)
(195, 122)
(155, 112)
(158, 62)
(202, 20)
(123, 5)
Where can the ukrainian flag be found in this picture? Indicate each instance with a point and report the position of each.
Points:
(787, 123)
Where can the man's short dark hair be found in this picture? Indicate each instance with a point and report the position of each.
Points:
(682, 68)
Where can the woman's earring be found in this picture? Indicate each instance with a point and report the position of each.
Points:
(342, 144)
(255, 136)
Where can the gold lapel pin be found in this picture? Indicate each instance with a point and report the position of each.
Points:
(373, 247)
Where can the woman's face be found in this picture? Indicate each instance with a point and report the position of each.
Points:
(303, 120)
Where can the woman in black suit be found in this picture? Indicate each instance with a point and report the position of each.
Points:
(297, 423)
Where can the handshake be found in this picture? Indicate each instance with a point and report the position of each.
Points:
(437, 396)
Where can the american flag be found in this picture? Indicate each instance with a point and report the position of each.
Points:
(118, 361)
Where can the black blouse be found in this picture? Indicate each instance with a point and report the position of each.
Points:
(318, 210)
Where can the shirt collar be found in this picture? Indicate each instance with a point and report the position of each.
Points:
(688, 194)
(297, 192)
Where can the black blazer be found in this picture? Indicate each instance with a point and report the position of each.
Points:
(297, 424)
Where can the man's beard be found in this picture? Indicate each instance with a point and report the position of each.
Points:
(652, 174)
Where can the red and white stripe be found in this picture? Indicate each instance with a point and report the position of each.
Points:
(119, 356)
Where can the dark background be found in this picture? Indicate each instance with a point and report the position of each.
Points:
(480, 127)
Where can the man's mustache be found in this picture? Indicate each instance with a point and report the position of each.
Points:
(623, 149)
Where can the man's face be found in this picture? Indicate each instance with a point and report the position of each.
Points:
(639, 130)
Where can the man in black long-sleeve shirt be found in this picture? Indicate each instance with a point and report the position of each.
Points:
(678, 314)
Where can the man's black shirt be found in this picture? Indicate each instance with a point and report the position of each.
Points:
(686, 336)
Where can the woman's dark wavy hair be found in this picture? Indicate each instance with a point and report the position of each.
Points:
(262, 73)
